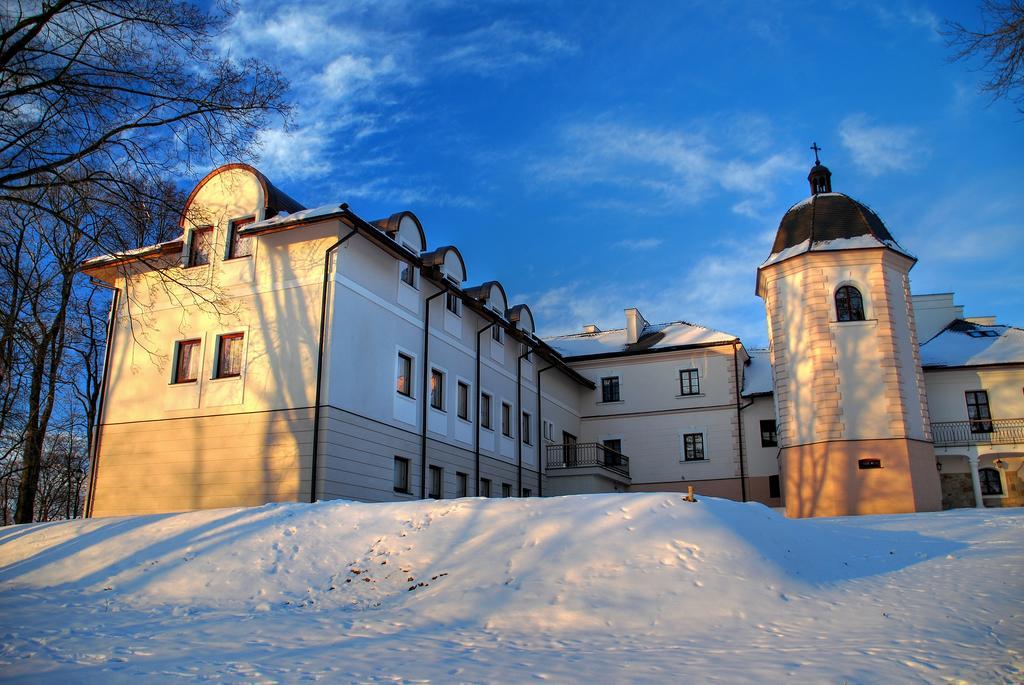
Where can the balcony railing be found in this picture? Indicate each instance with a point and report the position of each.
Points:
(587, 454)
(978, 432)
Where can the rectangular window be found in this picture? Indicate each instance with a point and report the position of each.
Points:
(452, 302)
(527, 492)
(689, 382)
(978, 411)
(436, 389)
(693, 447)
(610, 389)
(463, 401)
(229, 355)
(436, 483)
(549, 430)
(485, 487)
(506, 490)
(526, 433)
(497, 334)
(186, 367)
(506, 419)
(407, 274)
(769, 437)
(615, 445)
(773, 487)
(403, 383)
(202, 246)
(401, 475)
(485, 411)
(461, 481)
(238, 245)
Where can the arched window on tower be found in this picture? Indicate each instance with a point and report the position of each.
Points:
(849, 304)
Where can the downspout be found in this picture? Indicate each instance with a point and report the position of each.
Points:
(542, 453)
(426, 391)
(739, 417)
(320, 361)
(519, 411)
(479, 393)
(94, 448)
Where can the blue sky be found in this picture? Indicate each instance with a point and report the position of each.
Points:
(594, 156)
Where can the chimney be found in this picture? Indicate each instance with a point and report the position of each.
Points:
(635, 324)
(591, 328)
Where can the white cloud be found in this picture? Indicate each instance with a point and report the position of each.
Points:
(638, 244)
(877, 148)
(659, 170)
(502, 45)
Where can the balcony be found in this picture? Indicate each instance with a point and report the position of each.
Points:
(983, 432)
(587, 454)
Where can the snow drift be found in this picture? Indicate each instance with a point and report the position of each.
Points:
(606, 571)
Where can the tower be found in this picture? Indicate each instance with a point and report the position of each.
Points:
(853, 426)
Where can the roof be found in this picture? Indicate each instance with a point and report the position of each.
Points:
(299, 216)
(829, 221)
(963, 343)
(655, 337)
(757, 374)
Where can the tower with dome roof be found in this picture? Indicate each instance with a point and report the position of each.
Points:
(853, 427)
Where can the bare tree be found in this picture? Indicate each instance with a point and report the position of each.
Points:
(999, 44)
(101, 101)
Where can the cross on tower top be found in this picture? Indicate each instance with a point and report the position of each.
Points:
(814, 146)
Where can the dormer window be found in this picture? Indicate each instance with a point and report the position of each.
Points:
(497, 335)
(201, 247)
(849, 304)
(407, 274)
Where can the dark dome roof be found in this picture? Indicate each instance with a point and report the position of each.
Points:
(829, 216)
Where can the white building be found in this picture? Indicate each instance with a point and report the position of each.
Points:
(275, 353)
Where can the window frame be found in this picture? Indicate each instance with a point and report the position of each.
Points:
(435, 479)
(774, 432)
(453, 303)
(498, 334)
(437, 397)
(986, 482)
(604, 443)
(774, 486)
(234, 240)
(461, 484)
(527, 492)
(548, 430)
(693, 380)
(404, 463)
(526, 427)
(978, 424)
(485, 487)
(194, 234)
(486, 400)
(197, 343)
(692, 439)
(462, 400)
(506, 490)
(219, 372)
(405, 357)
(611, 385)
(847, 311)
(506, 419)
(406, 267)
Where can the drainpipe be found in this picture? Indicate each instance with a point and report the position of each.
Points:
(94, 448)
(426, 389)
(542, 448)
(320, 360)
(739, 416)
(479, 393)
(519, 410)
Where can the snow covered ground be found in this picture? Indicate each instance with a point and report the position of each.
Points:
(598, 588)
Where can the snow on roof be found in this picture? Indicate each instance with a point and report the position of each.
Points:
(654, 337)
(129, 254)
(963, 343)
(284, 218)
(757, 375)
(857, 242)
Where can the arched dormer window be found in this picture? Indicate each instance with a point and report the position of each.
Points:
(849, 304)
